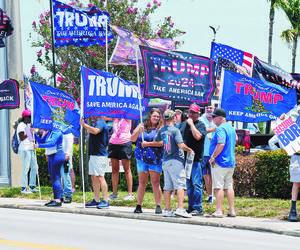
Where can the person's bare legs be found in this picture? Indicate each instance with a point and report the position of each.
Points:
(208, 184)
(295, 190)
(115, 174)
(219, 200)
(127, 170)
(96, 187)
(143, 180)
(103, 185)
(180, 197)
(167, 198)
(230, 197)
(72, 176)
(155, 181)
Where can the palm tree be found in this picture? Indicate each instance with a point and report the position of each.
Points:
(291, 9)
(273, 5)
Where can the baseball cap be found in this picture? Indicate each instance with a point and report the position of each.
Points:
(219, 112)
(195, 108)
(168, 114)
(26, 112)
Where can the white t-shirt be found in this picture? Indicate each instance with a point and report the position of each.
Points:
(25, 144)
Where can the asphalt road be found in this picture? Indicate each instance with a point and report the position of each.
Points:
(25, 229)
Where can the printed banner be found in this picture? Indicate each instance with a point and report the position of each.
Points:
(6, 27)
(237, 56)
(178, 76)
(288, 131)
(273, 74)
(53, 108)
(124, 52)
(80, 27)
(9, 94)
(105, 94)
(247, 99)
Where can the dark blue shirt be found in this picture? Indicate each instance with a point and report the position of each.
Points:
(98, 143)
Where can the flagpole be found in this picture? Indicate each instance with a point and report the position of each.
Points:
(81, 142)
(106, 48)
(52, 38)
(221, 87)
(139, 86)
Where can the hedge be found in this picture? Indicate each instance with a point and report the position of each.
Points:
(264, 174)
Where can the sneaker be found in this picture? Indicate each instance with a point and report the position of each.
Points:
(196, 213)
(33, 189)
(169, 213)
(25, 191)
(113, 197)
(68, 199)
(182, 213)
(210, 199)
(103, 204)
(138, 209)
(158, 210)
(93, 203)
(73, 191)
(128, 197)
(293, 215)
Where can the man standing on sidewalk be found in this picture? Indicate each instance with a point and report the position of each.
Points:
(173, 164)
(98, 162)
(222, 160)
(193, 132)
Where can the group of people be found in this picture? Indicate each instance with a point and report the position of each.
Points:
(209, 140)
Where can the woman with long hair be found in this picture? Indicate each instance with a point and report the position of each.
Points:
(148, 154)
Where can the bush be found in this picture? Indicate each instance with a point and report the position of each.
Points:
(244, 175)
(272, 175)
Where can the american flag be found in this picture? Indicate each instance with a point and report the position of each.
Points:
(227, 64)
(237, 56)
(5, 27)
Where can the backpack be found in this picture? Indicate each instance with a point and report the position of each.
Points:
(15, 142)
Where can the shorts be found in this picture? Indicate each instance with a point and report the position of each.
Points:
(174, 175)
(295, 168)
(145, 167)
(98, 165)
(120, 151)
(221, 177)
(206, 166)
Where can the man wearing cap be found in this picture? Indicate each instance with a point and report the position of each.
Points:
(24, 132)
(173, 164)
(222, 160)
(193, 132)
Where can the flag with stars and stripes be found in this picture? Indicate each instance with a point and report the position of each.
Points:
(227, 64)
(6, 27)
(80, 27)
(236, 56)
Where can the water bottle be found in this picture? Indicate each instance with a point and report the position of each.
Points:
(189, 164)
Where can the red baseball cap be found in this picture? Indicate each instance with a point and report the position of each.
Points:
(26, 112)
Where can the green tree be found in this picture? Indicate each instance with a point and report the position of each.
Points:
(291, 9)
(127, 14)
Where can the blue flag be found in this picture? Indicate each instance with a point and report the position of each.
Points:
(106, 94)
(53, 108)
(178, 76)
(246, 99)
(80, 27)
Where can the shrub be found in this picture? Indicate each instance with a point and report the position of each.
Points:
(272, 175)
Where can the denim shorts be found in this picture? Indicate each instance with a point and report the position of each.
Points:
(206, 166)
(174, 175)
(145, 167)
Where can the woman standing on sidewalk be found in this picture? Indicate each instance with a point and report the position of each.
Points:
(149, 154)
(52, 141)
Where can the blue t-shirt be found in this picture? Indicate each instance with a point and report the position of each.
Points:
(150, 155)
(171, 136)
(225, 133)
(98, 143)
(51, 139)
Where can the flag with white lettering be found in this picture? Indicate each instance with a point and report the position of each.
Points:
(80, 27)
(9, 94)
(237, 56)
(105, 94)
(124, 52)
(178, 76)
(53, 108)
(246, 99)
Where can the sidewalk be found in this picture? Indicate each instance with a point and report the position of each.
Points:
(247, 223)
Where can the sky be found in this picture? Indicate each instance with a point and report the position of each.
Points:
(243, 24)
